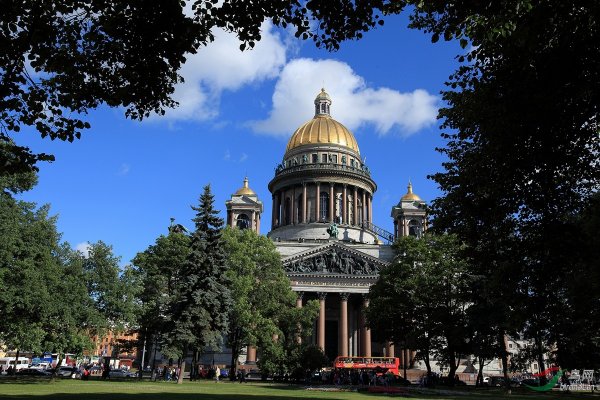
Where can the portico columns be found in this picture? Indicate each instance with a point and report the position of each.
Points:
(304, 203)
(345, 204)
(389, 349)
(293, 219)
(331, 203)
(355, 210)
(251, 354)
(366, 332)
(321, 327)
(364, 206)
(343, 339)
(318, 201)
(299, 305)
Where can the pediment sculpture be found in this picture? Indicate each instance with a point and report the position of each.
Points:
(332, 261)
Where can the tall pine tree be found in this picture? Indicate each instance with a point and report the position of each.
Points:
(201, 307)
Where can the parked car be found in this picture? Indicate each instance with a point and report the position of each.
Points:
(120, 373)
(33, 372)
(69, 372)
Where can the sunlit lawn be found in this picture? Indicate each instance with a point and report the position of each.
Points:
(205, 390)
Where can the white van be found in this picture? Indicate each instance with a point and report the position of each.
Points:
(6, 362)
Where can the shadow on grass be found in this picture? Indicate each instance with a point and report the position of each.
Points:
(46, 389)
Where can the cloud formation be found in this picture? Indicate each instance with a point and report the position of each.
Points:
(83, 248)
(222, 66)
(354, 103)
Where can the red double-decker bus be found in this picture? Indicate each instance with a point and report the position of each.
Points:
(383, 364)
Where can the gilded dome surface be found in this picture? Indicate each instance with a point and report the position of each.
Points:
(410, 196)
(322, 129)
(245, 190)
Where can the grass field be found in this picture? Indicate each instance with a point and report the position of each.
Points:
(207, 390)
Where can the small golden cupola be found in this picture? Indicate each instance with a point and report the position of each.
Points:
(244, 209)
(410, 196)
(409, 215)
(245, 190)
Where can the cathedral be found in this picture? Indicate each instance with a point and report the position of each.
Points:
(321, 224)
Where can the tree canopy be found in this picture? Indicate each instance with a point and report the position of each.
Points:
(62, 60)
(53, 298)
(420, 301)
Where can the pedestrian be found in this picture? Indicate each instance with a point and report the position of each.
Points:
(217, 374)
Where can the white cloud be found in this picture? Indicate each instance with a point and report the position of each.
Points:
(227, 155)
(124, 169)
(84, 248)
(354, 104)
(243, 157)
(223, 66)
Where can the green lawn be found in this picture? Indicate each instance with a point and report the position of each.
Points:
(205, 390)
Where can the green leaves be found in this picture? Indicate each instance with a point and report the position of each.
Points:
(421, 299)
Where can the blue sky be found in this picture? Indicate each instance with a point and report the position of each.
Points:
(124, 179)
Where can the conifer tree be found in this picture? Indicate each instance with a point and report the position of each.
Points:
(200, 311)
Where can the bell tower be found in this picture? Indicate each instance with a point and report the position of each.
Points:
(244, 209)
(410, 215)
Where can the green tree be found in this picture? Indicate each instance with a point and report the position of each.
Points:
(522, 148)
(260, 289)
(160, 269)
(422, 299)
(62, 60)
(27, 265)
(113, 291)
(199, 312)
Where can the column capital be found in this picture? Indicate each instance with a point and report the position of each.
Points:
(344, 296)
(300, 295)
(322, 295)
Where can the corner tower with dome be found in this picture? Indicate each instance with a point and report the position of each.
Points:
(322, 225)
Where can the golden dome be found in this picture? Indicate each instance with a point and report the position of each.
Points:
(245, 190)
(410, 196)
(322, 129)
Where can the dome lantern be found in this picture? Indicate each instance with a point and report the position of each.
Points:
(322, 104)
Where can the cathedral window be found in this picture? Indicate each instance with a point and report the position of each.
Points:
(334, 158)
(315, 158)
(324, 158)
(324, 206)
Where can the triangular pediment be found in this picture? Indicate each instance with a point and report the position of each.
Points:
(333, 258)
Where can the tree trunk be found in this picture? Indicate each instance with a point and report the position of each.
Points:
(481, 362)
(181, 371)
(428, 366)
(504, 357)
(235, 353)
(453, 368)
(540, 357)
(59, 359)
(14, 371)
